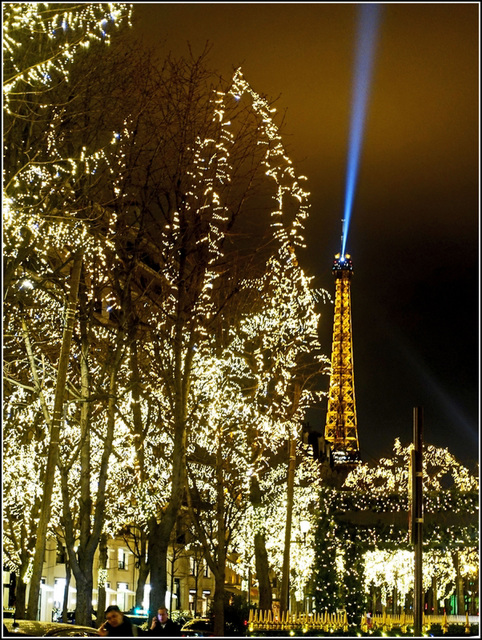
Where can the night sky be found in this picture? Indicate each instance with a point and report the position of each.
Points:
(414, 232)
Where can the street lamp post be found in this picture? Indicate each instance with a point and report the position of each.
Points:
(305, 527)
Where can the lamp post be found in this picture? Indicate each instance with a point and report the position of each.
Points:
(417, 517)
(305, 527)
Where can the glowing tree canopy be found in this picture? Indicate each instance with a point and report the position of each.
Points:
(370, 516)
(192, 323)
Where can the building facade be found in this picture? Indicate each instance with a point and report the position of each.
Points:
(190, 582)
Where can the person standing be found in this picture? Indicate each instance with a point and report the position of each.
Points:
(117, 625)
(162, 625)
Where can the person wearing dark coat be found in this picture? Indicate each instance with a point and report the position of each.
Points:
(162, 625)
(117, 625)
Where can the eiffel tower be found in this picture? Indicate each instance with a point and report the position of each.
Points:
(341, 434)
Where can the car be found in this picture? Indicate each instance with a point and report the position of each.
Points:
(38, 629)
(140, 621)
(74, 631)
(200, 627)
(8, 613)
(204, 627)
(6, 633)
(70, 617)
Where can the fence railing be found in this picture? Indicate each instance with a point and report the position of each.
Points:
(265, 620)
(386, 622)
(329, 622)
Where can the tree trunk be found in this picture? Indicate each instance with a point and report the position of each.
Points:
(198, 564)
(101, 580)
(141, 581)
(171, 588)
(144, 567)
(65, 603)
(459, 585)
(158, 548)
(81, 563)
(20, 594)
(21, 581)
(91, 524)
(215, 557)
(47, 483)
(262, 572)
(220, 575)
(260, 553)
(160, 533)
(196, 583)
(218, 603)
(285, 579)
(83, 566)
(84, 585)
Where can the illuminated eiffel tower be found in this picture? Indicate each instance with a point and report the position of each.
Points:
(341, 433)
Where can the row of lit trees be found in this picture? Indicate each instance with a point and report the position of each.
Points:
(363, 551)
(47, 198)
(160, 342)
(160, 337)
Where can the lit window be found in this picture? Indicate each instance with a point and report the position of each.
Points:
(192, 566)
(122, 559)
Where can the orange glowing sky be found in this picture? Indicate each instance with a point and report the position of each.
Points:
(414, 230)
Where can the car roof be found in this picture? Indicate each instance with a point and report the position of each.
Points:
(40, 628)
(196, 620)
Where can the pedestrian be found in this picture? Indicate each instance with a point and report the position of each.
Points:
(117, 625)
(162, 625)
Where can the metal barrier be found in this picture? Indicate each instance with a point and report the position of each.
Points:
(265, 621)
(329, 622)
(387, 622)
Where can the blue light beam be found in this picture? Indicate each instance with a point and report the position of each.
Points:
(369, 15)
